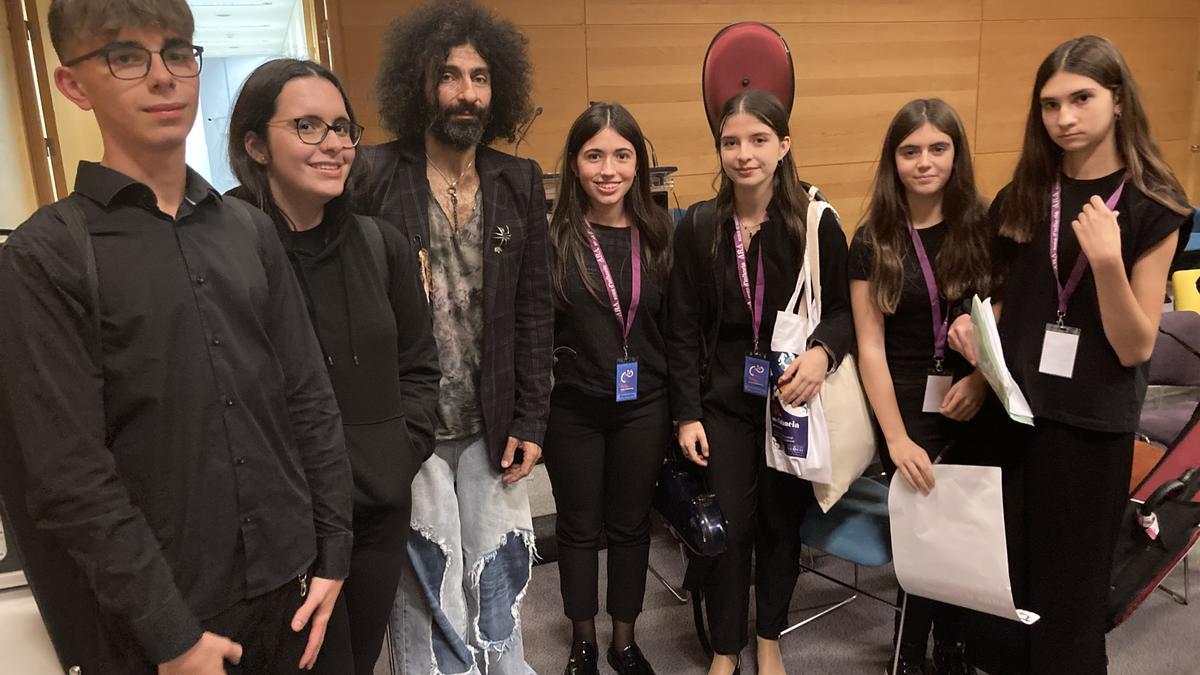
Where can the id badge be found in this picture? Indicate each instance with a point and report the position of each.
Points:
(937, 385)
(756, 375)
(627, 380)
(1058, 350)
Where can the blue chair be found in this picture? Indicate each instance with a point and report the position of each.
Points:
(856, 530)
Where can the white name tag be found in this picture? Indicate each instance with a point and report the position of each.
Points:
(936, 388)
(1058, 350)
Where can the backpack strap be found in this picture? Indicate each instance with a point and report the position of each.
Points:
(70, 213)
(370, 230)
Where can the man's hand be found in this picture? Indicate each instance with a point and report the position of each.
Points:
(322, 595)
(206, 657)
(515, 471)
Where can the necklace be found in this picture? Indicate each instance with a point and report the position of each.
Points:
(451, 186)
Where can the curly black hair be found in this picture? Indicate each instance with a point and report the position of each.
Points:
(417, 45)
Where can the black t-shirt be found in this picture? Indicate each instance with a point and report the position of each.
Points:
(587, 340)
(1102, 394)
(908, 333)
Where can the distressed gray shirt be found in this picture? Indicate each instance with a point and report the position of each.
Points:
(456, 297)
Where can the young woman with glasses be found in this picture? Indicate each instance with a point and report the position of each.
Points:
(292, 144)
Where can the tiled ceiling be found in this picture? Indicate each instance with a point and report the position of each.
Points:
(242, 27)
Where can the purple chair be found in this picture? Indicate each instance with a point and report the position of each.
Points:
(1175, 361)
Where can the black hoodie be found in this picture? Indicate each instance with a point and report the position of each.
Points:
(378, 346)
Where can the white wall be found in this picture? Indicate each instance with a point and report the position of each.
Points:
(220, 82)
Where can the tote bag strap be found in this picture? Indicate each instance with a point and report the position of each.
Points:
(812, 250)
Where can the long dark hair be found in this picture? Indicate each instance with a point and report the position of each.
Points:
(255, 106)
(962, 264)
(788, 194)
(415, 48)
(568, 234)
(1099, 59)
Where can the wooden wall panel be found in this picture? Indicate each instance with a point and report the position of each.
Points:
(846, 186)
(655, 72)
(849, 82)
(1088, 9)
(1011, 52)
(520, 12)
(669, 12)
(857, 63)
(560, 61)
(993, 171)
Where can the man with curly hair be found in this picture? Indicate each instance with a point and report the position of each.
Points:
(453, 78)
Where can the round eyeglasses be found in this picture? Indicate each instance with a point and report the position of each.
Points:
(127, 61)
(313, 130)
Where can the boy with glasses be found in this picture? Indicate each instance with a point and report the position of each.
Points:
(168, 418)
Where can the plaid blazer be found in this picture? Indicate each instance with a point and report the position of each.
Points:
(518, 311)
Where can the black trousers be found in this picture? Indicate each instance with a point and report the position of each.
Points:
(1065, 490)
(356, 629)
(603, 459)
(763, 509)
(934, 433)
(262, 625)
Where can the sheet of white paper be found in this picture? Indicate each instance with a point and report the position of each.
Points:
(949, 545)
(990, 357)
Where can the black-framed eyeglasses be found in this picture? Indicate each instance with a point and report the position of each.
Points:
(313, 130)
(128, 61)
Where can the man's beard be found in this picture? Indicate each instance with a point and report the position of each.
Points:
(460, 134)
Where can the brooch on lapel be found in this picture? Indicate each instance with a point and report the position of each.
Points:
(502, 235)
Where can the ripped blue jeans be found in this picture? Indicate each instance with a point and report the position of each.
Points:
(470, 554)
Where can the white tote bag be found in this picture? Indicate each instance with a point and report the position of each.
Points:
(797, 440)
(839, 413)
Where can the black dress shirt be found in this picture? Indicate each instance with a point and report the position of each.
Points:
(200, 461)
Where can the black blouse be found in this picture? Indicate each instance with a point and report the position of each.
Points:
(708, 313)
(908, 333)
(1102, 394)
(587, 340)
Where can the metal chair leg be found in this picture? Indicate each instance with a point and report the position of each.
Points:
(1184, 598)
(899, 634)
(831, 608)
(681, 594)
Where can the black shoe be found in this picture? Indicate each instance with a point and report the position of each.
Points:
(583, 659)
(629, 661)
(950, 658)
(907, 666)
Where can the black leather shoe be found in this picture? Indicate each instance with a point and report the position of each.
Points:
(583, 660)
(629, 661)
(950, 658)
(907, 666)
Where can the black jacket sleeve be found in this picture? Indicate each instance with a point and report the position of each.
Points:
(836, 330)
(683, 332)
(73, 490)
(533, 345)
(313, 410)
(417, 351)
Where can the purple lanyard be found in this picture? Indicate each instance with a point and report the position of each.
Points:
(756, 308)
(635, 295)
(1081, 263)
(941, 320)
